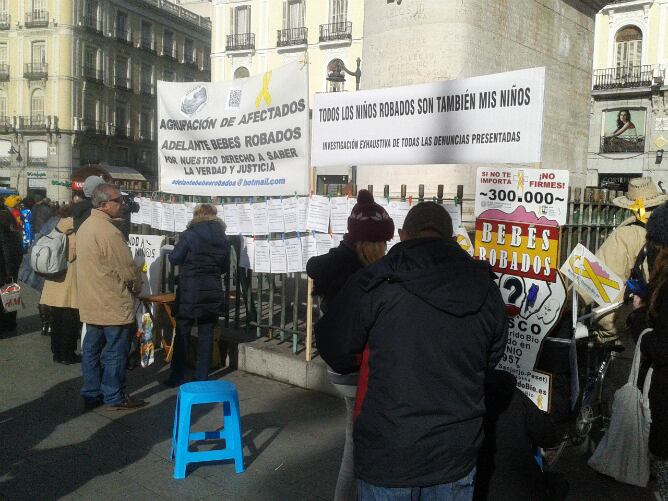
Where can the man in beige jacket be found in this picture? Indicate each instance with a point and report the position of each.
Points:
(107, 282)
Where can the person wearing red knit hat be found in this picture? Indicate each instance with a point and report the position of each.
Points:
(369, 229)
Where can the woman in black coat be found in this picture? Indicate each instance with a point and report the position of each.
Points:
(653, 312)
(11, 253)
(202, 253)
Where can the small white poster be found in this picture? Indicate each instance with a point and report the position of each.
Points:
(339, 214)
(317, 218)
(290, 214)
(293, 251)
(247, 253)
(275, 212)
(260, 218)
(135, 217)
(232, 219)
(190, 211)
(245, 219)
(156, 215)
(167, 217)
(180, 218)
(302, 213)
(278, 256)
(455, 214)
(145, 209)
(309, 249)
(323, 242)
(398, 209)
(262, 257)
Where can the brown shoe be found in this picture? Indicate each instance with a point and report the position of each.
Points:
(127, 404)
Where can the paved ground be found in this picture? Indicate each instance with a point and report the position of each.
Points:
(49, 449)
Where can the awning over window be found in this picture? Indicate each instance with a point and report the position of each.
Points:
(123, 173)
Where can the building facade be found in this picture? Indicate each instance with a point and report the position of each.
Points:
(78, 86)
(629, 111)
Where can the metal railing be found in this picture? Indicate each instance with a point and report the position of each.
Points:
(6, 123)
(4, 72)
(93, 126)
(37, 121)
(5, 21)
(622, 144)
(37, 19)
(292, 36)
(93, 74)
(122, 82)
(240, 41)
(35, 70)
(623, 77)
(336, 31)
(123, 36)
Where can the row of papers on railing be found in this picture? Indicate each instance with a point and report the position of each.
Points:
(279, 234)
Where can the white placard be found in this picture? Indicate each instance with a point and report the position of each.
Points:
(167, 217)
(245, 219)
(323, 242)
(398, 209)
(541, 193)
(180, 218)
(309, 249)
(302, 212)
(592, 276)
(232, 219)
(145, 211)
(146, 254)
(236, 138)
(247, 253)
(487, 119)
(275, 209)
(260, 218)
(262, 257)
(220, 212)
(156, 215)
(317, 218)
(190, 211)
(293, 251)
(339, 213)
(290, 214)
(278, 256)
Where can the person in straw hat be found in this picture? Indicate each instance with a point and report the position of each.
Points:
(624, 249)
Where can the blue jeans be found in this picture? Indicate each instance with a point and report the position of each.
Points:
(108, 378)
(460, 490)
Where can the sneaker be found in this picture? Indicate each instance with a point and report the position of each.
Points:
(127, 404)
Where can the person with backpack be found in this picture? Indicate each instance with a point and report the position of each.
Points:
(623, 251)
(59, 293)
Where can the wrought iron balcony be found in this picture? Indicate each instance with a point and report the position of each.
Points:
(92, 23)
(336, 31)
(122, 82)
(240, 41)
(92, 74)
(37, 19)
(35, 71)
(623, 77)
(123, 36)
(5, 21)
(122, 131)
(4, 72)
(147, 43)
(292, 36)
(6, 123)
(170, 52)
(32, 122)
(92, 126)
(622, 144)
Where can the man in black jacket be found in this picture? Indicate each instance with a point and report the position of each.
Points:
(427, 322)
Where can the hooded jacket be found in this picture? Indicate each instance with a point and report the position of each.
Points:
(434, 323)
(331, 271)
(11, 251)
(202, 253)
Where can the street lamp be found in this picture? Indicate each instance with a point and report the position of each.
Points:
(336, 69)
(14, 151)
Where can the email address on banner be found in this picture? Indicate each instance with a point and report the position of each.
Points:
(230, 182)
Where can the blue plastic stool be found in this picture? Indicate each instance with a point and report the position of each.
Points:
(206, 392)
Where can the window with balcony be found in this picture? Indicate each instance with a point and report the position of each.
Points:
(123, 32)
(294, 32)
(145, 125)
(145, 79)
(168, 48)
(146, 41)
(121, 121)
(189, 51)
(4, 67)
(121, 80)
(628, 71)
(338, 28)
(37, 109)
(38, 15)
(90, 17)
(5, 21)
(91, 71)
(240, 37)
(37, 68)
(90, 122)
(3, 109)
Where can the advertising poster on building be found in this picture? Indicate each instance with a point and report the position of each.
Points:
(244, 137)
(488, 119)
(623, 130)
(534, 308)
(541, 192)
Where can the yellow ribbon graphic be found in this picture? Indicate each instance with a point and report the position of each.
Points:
(264, 93)
(638, 209)
(520, 181)
(463, 242)
(598, 280)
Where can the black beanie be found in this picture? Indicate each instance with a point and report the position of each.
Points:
(657, 225)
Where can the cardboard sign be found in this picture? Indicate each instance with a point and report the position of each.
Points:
(518, 248)
(542, 193)
(534, 308)
(592, 277)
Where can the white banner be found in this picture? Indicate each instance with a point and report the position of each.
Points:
(542, 193)
(488, 119)
(239, 138)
